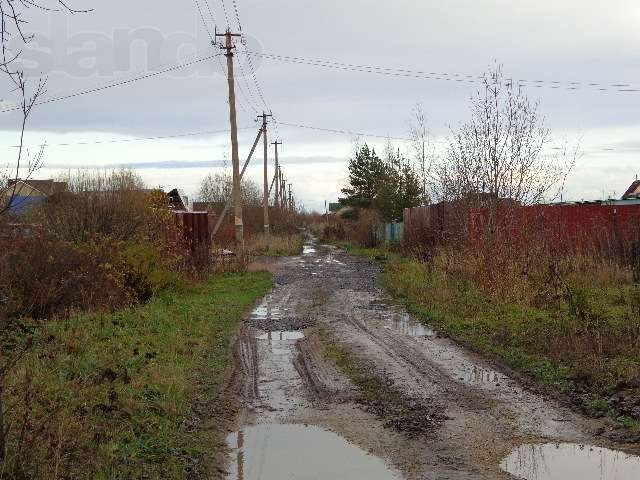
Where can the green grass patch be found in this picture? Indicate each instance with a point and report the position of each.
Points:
(112, 396)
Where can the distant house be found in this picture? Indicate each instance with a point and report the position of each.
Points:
(178, 201)
(211, 207)
(22, 194)
(633, 192)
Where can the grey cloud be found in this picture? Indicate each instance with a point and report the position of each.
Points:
(186, 164)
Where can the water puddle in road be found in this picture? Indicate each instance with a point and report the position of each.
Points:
(292, 335)
(308, 250)
(567, 461)
(405, 324)
(475, 374)
(265, 311)
(278, 452)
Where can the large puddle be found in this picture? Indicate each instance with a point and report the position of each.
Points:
(282, 452)
(570, 461)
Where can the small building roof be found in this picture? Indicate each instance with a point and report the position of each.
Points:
(633, 191)
(45, 187)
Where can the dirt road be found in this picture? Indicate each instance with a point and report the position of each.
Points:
(412, 404)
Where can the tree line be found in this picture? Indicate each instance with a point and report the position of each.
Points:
(498, 154)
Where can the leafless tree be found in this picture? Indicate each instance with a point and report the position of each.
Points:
(421, 146)
(499, 154)
(14, 19)
(215, 188)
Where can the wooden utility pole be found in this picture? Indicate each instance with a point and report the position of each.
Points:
(265, 198)
(235, 158)
(279, 173)
(283, 186)
(277, 177)
(230, 201)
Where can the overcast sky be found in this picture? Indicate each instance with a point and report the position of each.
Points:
(563, 41)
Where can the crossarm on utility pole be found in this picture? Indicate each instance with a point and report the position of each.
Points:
(244, 169)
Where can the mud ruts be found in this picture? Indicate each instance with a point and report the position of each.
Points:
(473, 413)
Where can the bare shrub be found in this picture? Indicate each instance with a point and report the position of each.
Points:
(14, 19)
(357, 228)
(498, 153)
(42, 278)
(111, 204)
(276, 244)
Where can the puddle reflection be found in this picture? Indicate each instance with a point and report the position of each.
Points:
(477, 374)
(277, 452)
(568, 461)
(405, 324)
(265, 311)
(308, 250)
(270, 336)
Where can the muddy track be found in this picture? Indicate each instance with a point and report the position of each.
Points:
(446, 412)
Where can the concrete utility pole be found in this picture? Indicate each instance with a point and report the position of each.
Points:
(235, 158)
(276, 143)
(265, 198)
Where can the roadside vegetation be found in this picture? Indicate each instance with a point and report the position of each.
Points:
(571, 324)
(276, 244)
(116, 395)
(562, 309)
(114, 345)
(286, 238)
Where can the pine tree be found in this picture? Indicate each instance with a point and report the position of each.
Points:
(365, 171)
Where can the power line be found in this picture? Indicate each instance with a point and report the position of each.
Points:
(213, 19)
(253, 100)
(345, 132)
(242, 93)
(117, 84)
(235, 8)
(204, 22)
(224, 10)
(141, 139)
(255, 78)
(252, 69)
(246, 82)
(453, 77)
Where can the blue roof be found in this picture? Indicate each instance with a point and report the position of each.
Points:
(21, 203)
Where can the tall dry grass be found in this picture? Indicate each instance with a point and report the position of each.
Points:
(572, 321)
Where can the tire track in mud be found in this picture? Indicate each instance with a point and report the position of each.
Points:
(472, 414)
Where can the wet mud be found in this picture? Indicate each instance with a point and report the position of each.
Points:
(442, 412)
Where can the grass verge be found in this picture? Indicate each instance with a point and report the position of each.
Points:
(583, 343)
(117, 396)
